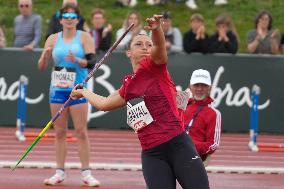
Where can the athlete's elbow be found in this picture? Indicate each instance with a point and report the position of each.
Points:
(103, 108)
(106, 109)
(40, 67)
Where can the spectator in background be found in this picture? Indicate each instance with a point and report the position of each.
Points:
(196, 39)
(27, 27)
(2, 38)
(202, 121)
(54, 25)
(262, 39)
(100, 32)
(132, 17)
(282, 45)
(192, 5)
(225, 40)
(172, 34)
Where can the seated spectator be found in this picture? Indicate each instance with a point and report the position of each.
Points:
(172, 34)
(282, 44)
(225, 40)
(54, 25)
(101, 34)
(27, 27)
(201, 120)
(196, 39)
(192, 5)
(262, 39)
(132, 17)
(2, 38)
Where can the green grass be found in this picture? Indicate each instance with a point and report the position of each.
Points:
(243, 13)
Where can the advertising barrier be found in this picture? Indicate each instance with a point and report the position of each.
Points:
(233, 77)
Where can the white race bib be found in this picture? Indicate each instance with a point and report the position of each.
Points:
(63, 78)
(138, 116)
(182, 99)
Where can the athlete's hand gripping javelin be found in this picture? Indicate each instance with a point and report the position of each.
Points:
(153, 22)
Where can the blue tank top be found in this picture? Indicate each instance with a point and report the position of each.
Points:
(59, 52)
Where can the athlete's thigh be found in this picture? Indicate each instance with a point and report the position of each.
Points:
(61, 122)
(157, 173)
(79, 114)
(188, 167)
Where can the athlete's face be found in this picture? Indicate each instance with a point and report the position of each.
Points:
(69, 21)
(140, 47)
(200, 91)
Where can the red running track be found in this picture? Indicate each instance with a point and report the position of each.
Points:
(111, 149)
(32, 179)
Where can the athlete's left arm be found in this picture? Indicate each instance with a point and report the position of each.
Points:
(159, 51)
(90, 51)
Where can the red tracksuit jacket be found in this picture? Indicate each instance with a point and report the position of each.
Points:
(206, 127)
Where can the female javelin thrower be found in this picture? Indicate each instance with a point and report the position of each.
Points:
(150, 95)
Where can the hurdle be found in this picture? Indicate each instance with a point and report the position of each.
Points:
(21, 108)
(253, 145)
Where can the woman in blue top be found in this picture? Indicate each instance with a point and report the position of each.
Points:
(73, 52)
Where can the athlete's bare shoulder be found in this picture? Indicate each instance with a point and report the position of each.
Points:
(52, 39)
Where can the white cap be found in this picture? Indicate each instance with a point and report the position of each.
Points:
(200, 76)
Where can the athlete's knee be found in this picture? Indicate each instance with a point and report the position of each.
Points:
(60, 134)
(81, 134)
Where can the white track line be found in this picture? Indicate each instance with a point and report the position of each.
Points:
(138, 167)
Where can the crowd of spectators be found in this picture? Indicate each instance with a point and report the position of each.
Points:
(262, 39)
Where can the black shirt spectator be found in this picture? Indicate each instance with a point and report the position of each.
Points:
(196, 40)
(225, 39)
(216, 46)
(191, 44)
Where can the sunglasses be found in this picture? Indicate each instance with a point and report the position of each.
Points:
(69, 15)
(24, 5)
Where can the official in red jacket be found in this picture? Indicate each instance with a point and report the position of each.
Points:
(202, 121)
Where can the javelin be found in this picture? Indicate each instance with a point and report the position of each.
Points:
(91, 73)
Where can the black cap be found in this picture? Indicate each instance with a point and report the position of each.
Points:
(167, 15)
